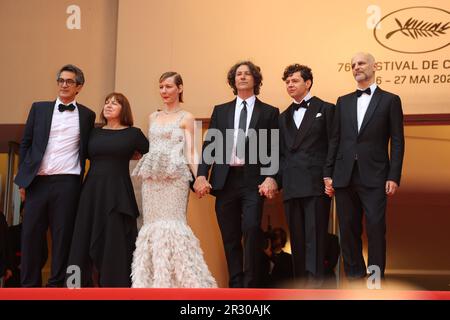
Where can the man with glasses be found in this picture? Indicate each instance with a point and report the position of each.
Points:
(51, 166)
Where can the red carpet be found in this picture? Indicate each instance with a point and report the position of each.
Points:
(216, 294)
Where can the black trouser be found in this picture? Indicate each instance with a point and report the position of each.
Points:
(239, 212)
(50, 201)
(351, 203)
(307, 218)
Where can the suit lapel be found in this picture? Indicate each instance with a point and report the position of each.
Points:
(231, 109)
(82, 117)
(307, 121)
(354, 112)
(371, 108)
(291, 128)
(48, 118)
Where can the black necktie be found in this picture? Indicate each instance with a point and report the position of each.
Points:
(360, 92)
(303, 104)
(63, 107)
(240, 144)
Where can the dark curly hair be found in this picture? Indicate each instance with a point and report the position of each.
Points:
(255, 71)
(305, 72)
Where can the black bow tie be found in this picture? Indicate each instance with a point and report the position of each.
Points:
(63, 107)
(303, 104)
(360, 92)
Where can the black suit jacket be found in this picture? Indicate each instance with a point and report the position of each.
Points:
(382, 123)
(303, 151)
(36, 135)
(264, 116)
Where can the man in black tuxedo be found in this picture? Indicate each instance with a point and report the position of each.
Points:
(305, 128)
(52, 159)
(363, 169)
(240, 177)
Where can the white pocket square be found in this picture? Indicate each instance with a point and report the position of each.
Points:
(318, 115)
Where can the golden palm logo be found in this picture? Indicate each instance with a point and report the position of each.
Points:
(414, 30)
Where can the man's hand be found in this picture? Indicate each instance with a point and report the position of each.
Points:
(136, 156)
(201, 186)
(22, 194)
(391, 187)
(268, 188)
(329, 190)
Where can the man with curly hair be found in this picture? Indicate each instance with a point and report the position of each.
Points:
(238, 182)
(305, 128)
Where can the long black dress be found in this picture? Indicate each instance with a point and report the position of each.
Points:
(105, 228)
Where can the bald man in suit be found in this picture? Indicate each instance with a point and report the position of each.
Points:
(364, 165)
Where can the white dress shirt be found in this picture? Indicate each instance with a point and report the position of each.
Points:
(300, 113)
(363, 104)
(62, 153)
(235, 161)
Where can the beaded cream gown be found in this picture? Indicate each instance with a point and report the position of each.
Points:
(167, 255)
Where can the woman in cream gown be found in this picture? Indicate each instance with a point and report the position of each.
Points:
(168, 254)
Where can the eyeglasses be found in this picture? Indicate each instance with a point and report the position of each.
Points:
(68, 82)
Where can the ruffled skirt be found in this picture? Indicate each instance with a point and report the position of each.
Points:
(168, 255)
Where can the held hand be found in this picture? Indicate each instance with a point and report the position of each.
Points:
(268, 188)
(329, 190)
(263, 191)
(206, 190)
(22, 194)
(199, 183)
(201, 186)
(391, 187)
(136, 156)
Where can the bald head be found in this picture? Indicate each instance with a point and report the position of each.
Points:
(365, 55)
(363, 69)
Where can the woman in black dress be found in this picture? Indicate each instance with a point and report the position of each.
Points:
(105, 229)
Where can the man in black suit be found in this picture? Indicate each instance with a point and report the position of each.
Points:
(305, 128)
(363, 169)
(52, 159)
(239, 132)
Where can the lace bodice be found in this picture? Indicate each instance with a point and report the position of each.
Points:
(166, 158)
